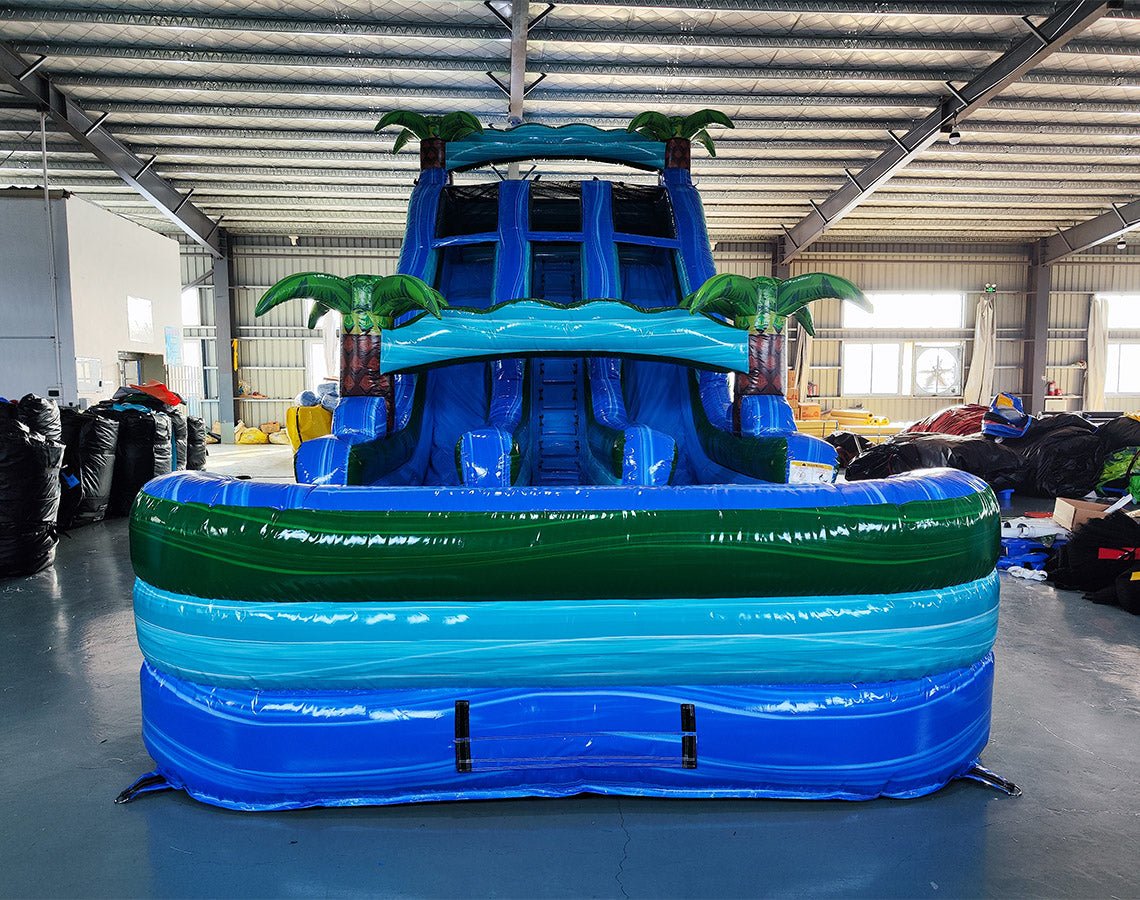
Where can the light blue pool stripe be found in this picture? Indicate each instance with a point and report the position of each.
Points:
(772, 640)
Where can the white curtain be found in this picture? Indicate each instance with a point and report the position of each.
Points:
(330, 326)
(1097, 354)
(980, 381)
(804, 342)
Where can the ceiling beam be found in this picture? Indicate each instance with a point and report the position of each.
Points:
(390, 62)
(87, 131)
(363, 26)
(1044, 39)
(1113, 224)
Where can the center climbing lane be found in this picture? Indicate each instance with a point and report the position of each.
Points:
(557, 395)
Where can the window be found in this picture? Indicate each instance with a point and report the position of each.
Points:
(556, 207)
(556, 272)
(466, 274)
(468, 209)
(648, 276)
(1123, 311)
(1122, 368)
(642, 210)
(1122, 373)
(871, 368)
(902, 368)
(907, 311)
(191, 308)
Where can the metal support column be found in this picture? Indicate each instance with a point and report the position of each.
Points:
(1037, 343)
(224, 334)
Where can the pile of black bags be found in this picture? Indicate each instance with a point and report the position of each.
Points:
(1059, 456)
(30, 458)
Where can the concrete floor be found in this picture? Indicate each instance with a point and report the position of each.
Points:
(1066, 728)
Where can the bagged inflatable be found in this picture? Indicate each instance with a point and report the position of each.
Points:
(848, 446)
(1063, 457)
(179, 437)
(195, 443)
(996, 464)
(253, 436)
(144, 452)
(1099, 552)
(1119, 433)
(1006, 418)
(29, 498)
(1116, 474)
(40, 415)
(965, 418)
(90, 439)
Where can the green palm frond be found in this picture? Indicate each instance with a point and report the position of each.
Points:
(795, 293)
(725, 295)
(419, 125)
(691, 125)
(394, 295)
(456, 125)
(401, 139)
(703, 138)
(652, 124)
(803, 316)
(331, 291)
(317, 313)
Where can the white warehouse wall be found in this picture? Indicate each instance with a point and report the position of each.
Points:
(100, 260)
(111, 259)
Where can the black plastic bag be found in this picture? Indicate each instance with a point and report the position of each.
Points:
(848, 445)
(40, 415)
(1063, 457)
(195, 443)
(90, 438)
(180, 436)
(143, 452)
(1099, 551)
(994, 463)
(1121, 432)
(29, 499)
(1123, 592)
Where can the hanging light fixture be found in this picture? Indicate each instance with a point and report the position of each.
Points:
(955, 136)
(1122, 244)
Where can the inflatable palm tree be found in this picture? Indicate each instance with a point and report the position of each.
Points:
(433, 133)
(763, 306)
(369, 304)
(679, 132)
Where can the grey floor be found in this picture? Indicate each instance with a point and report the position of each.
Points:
(1066, 727)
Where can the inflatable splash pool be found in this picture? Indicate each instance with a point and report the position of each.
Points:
(563, 537)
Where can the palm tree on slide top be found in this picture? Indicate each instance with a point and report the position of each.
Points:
(369, 304)
(762, 306)
(678, 132)
(433, 133)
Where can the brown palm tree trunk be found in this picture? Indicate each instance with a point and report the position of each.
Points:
(433, 153)
(765, 371)
(360, 372)
(678, 153)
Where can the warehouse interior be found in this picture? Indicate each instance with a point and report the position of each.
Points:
(972, 167)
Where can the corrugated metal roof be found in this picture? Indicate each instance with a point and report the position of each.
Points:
(265, 107)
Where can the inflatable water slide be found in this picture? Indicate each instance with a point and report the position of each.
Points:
(564, 536)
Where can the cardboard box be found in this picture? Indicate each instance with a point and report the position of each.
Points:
(810, 411)
(1072, 514)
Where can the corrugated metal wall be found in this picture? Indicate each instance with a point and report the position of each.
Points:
(272, 349)
(900, 268)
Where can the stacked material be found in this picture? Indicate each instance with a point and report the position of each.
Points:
(30, 459)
